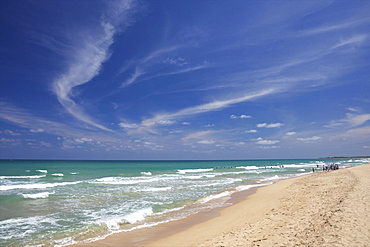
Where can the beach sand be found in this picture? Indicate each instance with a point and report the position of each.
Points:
(321, 209)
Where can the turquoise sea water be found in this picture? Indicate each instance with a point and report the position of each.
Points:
(56, 203)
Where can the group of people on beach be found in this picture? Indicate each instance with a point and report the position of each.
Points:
(330, 167)
(326, 168)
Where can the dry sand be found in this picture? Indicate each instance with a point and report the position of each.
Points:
(321, 209)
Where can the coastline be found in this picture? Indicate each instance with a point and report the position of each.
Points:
(319, 209)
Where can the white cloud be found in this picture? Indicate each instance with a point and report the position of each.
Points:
(351, 120)
(39, 130)
(267, 142)
(261, 141)
(356, 120)
(310, 139)
(271, 125)
(206, 142)
(251, 131)
(353, 109)
(128, 125)
(185, 123)
(268, 147)
(83, 140)
(176, 61)
(197, 135)
(87, 58)
(351, 41)
(291, 133)
(133, 77)
(208, 107)
(46, 144)
(166, 122)
(241, 116)
(26, 120)
(326, 29)
(10, 132)
(176, 131)
(8, 140)
(145, 66)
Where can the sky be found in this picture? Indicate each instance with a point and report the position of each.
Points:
(184, 79)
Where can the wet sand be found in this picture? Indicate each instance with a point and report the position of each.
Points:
(321, 209)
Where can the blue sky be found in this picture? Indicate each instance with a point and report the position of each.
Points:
(184, 79)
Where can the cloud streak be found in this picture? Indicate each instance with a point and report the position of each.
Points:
(208, 107)
(331, 28)
(351, 120)
(88, 58)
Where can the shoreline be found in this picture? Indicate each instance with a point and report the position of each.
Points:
(145, 236)
(320, 209)
(280, 213)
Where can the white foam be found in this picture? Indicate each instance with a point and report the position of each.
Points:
(216, 196)
(210, 175)
(22, 177)
(35, 186)
(124, 180)
(64, 242)
(146, 173)
(194, 177)
(170, 210)
(157, 189)
(37, 195)
(194, 171)
(42, 171)
(301, 170)
(22, 226)
(247, 187)
(57, 174)
(114, 224)
(138, 215)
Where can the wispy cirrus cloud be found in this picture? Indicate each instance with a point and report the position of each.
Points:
(208, 107)
(200, 135)
(355, 40)
(334, 27)
(139, 73)
(140, 66)
(38, 125)
(351, 120)
(87, 57)
(27, 120)
(146, 68)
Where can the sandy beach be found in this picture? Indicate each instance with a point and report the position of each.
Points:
(321, 209)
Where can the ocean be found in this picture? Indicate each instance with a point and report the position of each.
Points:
(58, 203)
